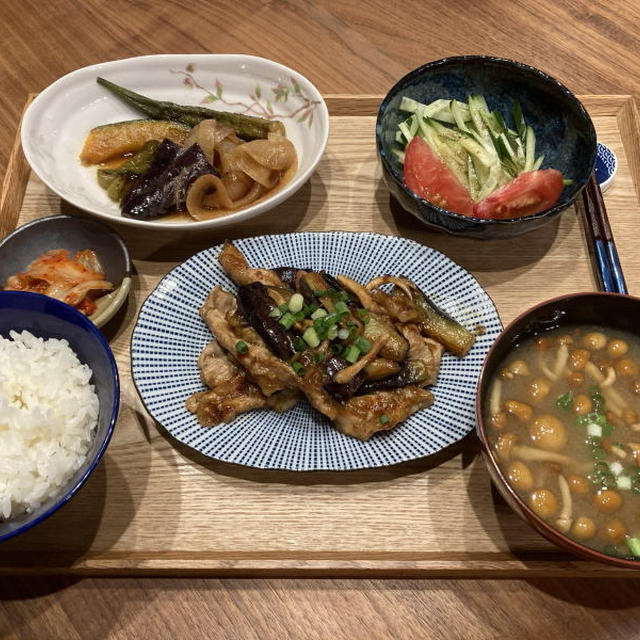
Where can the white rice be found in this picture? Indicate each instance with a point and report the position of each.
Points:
(48, 413)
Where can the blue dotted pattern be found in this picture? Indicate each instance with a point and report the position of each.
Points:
(169, 336)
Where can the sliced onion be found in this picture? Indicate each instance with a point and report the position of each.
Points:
(277, 154)
(208, 134)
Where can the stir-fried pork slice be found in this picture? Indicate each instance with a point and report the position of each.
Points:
(362, 416)
(269, 372)
(236, 266)
(231, 392)
(225, 402)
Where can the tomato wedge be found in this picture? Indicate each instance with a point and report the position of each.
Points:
(528, 193)
(430, 178)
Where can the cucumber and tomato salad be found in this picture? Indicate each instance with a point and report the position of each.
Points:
(464, 158)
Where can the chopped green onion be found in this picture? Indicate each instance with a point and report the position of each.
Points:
(363, 314)
(284, 307)
(624, 483)
(565, 401)
(594, 429)
(318, 313)
(343, 333)
(332, 319)
(296, 302)
(363, 344)
(275, 313)
(241, 346)
(332, 332)
(352, 353)
(582, 421)
(298, 368)
(287, 320)
(634, 546)
(298, 317)
(318, 356)
(341, 307)
(336, 348)
(299, 344)
(383, 419)
(311, 308)
(616, 468)
(311, 337)
(331, 293)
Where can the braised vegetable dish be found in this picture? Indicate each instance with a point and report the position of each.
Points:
(78, 280)
(361, 354)
(188, 159)
(563, 422)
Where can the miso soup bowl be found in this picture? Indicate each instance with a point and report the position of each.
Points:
(605, 309)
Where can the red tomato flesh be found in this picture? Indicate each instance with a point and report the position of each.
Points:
(430, 178)
(528, 193)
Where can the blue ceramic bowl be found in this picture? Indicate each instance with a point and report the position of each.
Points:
(49, 318)
(564, 133)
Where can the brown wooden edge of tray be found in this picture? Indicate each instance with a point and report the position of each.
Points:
(292, 564)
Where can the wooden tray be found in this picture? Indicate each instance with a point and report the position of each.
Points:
(154, 506)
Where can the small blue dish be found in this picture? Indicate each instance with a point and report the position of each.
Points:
(564, 133)
(606, 166)
(48, 318)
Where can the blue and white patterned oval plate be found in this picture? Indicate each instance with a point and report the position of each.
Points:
(169, 336)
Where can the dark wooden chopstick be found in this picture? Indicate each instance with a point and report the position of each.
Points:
(608, 268)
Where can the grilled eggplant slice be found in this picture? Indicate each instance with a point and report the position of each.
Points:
(163, 186)
(255, 304)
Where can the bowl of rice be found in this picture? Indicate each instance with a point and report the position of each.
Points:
(59, 400)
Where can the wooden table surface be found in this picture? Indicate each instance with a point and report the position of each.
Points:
(346, 47)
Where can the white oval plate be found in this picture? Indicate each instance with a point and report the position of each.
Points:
(57, 121)
(169, 336)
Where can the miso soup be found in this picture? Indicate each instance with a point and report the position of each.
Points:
(563, 420)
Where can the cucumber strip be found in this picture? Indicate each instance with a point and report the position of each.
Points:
(406, 131)
(409, 104)
(508, 151)
(413, 124)
(538, 163)
(399, 154)
(530, 148)
(518, 120)
(476, 119)
(445, 149)
(438, 109)
(492, 125)
(482, 161)
(400, 139)
(458, 115)
(497, 116)
(472, 178)
(494, 180)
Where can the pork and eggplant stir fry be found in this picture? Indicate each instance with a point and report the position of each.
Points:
(184, 158)
(563, 419)
(361, 354)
